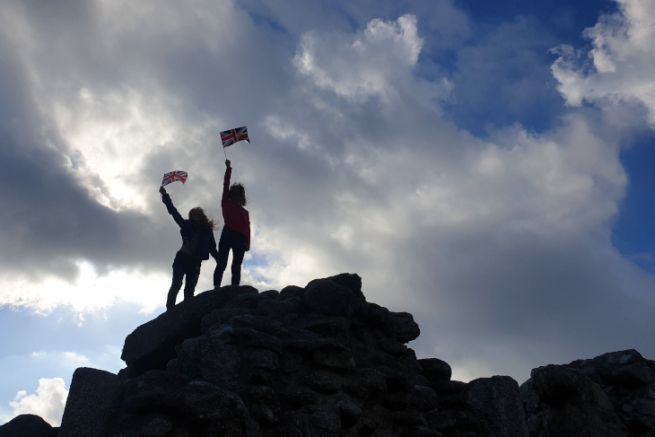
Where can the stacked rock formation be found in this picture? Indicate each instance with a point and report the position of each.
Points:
(322, 361)
(312, 361)
(612, 395)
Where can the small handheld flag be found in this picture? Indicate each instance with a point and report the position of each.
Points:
(235, 135)
(175, 175)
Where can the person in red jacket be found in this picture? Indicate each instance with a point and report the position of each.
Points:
(236, 231)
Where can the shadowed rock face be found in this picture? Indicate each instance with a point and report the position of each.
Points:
(610, 395)
(27, 425)
(321, 361)
(308, 361)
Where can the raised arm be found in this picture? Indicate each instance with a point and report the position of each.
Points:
(226, 179)
(170, 208)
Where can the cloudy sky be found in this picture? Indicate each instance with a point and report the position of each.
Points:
(483, 165)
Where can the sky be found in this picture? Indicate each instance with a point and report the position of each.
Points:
(485, 166)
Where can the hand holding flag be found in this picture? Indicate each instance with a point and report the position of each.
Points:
(175, 175)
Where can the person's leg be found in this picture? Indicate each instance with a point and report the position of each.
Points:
(176, 284)
(221, 262)
(192, 274)
(238, 251)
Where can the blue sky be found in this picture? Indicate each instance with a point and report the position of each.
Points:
(633, 232)
(483, 165)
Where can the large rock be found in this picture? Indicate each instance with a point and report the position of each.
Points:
(624, 368)
(27, 425)
(164, 403)
(400, 326)
(609, 395)
(337, 295)
(601, 397)
(91, 401)
(309, 361)
(152, 344)
(321, 361)
(435, 370)
(498, 403)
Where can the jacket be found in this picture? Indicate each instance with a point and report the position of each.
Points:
(235, 216)
(189, 232)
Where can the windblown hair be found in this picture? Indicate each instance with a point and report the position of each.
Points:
(200, 220)
(237, 194)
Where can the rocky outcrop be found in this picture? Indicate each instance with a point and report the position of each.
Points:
(91, 401)
(27, 425)
(495, 400)
(305, 361)
(610, 395)
(153, 344)
(321, 361)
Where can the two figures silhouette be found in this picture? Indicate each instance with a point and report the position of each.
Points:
(198, 239)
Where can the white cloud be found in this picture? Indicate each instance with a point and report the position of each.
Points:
(496, 245)
(375, 62)
(72, 359)
(75, 359)
(5, 415)
(499, 246)
(620, 66)
(48, 401)
(89, 291)
(109, 137)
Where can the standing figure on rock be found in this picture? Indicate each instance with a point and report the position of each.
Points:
(236, 231)
(197, 244)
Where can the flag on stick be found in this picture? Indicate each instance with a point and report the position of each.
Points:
(235, 135)
(175, 175)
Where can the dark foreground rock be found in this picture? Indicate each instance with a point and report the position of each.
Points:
(322, 361)
(305, 361)
(27, 425)
(91, 401)
(610, 395)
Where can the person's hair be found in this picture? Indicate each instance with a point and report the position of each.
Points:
(237, 194)
(200, 220)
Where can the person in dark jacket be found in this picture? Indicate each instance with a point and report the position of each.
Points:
(197, 244)
(236, 231)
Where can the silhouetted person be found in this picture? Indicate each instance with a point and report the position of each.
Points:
(236, 231)
(197, 243)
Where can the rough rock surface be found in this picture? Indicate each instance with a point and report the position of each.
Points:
(498, 403)
(27, 425)
(305, 361)
(90, 403)
(610, 395)
(321, 361)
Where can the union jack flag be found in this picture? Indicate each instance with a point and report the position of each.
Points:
(176, 175)
(235, 135)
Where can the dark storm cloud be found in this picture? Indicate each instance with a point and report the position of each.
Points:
(47, 218)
